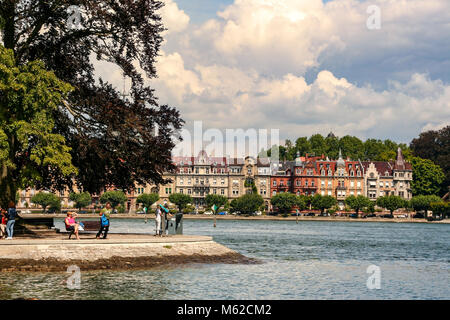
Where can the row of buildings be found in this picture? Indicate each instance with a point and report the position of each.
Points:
(309, 175)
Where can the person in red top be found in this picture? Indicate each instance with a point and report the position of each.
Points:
(3, 222)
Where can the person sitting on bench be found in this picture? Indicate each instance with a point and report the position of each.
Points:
(71, 225)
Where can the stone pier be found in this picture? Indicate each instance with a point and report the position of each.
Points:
(118, 252)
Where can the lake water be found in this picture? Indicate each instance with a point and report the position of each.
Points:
(308, 260)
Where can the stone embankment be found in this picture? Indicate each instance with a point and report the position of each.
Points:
(119, 252)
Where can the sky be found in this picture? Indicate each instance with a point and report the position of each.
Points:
(307, 66)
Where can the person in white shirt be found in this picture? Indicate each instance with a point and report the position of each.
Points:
(158, 222)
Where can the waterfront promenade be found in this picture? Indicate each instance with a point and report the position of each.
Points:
(236, 217)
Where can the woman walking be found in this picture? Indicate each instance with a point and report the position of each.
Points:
(104, 221)
(12, 214)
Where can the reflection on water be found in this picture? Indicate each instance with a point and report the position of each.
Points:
(309, 260)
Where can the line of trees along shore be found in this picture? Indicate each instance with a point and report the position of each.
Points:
(284, 203)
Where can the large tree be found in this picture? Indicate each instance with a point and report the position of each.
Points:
(423, 203)
(247, 204)
(216, 200)
(31, 153)
(284, 202)
(81, 200)
(181, 200)
(115, 197)
(427, 177)
(435, 146)
(357, 203)
(47, 199)
(323, 202)
(148, 199)
(391, 203)
(114, 140)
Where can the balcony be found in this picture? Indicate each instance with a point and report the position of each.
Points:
(201, 185)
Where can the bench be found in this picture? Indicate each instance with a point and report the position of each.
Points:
(88, 226)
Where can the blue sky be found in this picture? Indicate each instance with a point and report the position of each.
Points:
(202, 10)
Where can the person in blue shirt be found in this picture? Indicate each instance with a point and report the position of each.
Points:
(11, 214)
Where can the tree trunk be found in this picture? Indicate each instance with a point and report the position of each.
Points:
(9, 7)
(8, 188)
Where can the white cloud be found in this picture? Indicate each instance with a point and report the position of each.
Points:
(174, 19)
(247, 67)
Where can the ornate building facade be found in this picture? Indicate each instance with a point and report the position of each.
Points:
(309, 175)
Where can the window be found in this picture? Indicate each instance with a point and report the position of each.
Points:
(196, 170)
(329, 192)
(222, 191)
(306, 183)
(274, 193)
(189, 191)
(274, 183)
(358, 184)
(181, 191)
(322, 193)
(222, 182)
(329, 183)
(189, 181)
(352, 184)
(322, 183)
(215, 191)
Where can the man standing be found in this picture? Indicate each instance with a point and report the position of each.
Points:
(105, 214)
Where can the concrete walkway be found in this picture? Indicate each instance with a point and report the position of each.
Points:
(62, 239)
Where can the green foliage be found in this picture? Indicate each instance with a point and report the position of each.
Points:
(357, 203)
(147, 199)
(390, 203)
(181, 200)
(81, 199)
(284, 201)
(422, 203)
(189, 209)
(121, 209)
(427, 177)
(46, 199)
(323, 202)
(217, 200)
(440, 208)
(247, 203)
(370, 208)
(435, 146)
(351, 146)
(29, 148)
(115, 197)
